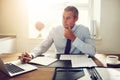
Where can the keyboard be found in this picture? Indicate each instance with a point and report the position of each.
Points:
(13, 68)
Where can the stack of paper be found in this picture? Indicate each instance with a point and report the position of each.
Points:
(79, 60)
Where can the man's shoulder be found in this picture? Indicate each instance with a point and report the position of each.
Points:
(81, 27)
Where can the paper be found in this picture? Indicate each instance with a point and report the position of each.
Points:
(79, 60)
(109, 73)
(43, 60)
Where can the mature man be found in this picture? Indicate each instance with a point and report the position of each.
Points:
(77, 37)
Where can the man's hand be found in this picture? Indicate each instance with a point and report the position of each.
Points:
(69, 34)
(25, 58)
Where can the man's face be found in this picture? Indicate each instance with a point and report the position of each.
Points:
(69, 19)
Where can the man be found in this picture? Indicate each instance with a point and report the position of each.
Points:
(78, 35)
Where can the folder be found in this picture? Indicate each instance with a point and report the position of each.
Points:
(68, 73)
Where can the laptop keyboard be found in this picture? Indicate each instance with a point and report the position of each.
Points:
(13, 68)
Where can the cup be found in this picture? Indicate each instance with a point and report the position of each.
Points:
(111, 59)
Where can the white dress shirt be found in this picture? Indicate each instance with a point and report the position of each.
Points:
(82, 44)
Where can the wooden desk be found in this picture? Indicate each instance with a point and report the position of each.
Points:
(42, 73)
(100, 59)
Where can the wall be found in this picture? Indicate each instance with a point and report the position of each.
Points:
(0, 13)
(109, 27)
(15, 21)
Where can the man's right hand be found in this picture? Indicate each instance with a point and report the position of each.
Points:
(25, 57)
(69, 34)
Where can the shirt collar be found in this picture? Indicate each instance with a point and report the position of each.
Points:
(74, 28)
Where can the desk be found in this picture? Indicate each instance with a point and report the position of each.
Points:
(42, 73)
(100, 59)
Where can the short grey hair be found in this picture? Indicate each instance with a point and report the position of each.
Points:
(73, 9)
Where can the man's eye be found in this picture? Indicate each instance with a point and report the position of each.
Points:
(68, 17)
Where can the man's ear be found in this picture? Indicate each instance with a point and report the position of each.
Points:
(76, 18)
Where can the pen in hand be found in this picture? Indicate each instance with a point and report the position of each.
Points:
(25, 58)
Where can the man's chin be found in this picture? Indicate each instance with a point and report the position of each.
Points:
(66, 27)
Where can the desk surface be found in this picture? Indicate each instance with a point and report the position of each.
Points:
(42, 73)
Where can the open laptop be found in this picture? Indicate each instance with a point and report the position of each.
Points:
(15, 68)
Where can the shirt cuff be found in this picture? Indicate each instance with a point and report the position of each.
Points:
(32, 54)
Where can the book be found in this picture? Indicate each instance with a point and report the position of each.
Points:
(43, 60)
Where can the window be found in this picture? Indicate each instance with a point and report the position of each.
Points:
(46, 14)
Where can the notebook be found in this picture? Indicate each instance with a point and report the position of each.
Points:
(15, 68)
(45, 61)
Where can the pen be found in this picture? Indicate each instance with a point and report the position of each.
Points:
(97, 74)
(92, 75)
(19, 57)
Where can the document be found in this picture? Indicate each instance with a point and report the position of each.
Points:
(43, 60)
(109, 73)
(79, 60)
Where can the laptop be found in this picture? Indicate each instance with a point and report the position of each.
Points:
(15, 68)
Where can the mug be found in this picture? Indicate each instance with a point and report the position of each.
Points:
(111, 59)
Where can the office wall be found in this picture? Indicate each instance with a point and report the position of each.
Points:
(0, 13)
(109, 27)
(15, 21)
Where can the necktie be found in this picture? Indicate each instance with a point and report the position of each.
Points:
(68, 46)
